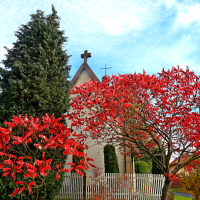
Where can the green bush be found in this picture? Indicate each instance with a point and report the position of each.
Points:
(141, 167)
(147, 159)
(51, 186)
(110, 159)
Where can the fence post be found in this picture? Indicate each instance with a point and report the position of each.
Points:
(84, 185)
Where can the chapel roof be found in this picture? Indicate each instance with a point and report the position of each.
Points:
(86, 67)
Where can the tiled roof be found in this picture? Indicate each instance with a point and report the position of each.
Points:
(175, 161)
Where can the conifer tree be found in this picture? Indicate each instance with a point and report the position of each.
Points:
(110, 159)
(34, 80)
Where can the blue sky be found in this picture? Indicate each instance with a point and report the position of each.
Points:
(127, 35)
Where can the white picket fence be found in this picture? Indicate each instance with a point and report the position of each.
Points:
(119, 186)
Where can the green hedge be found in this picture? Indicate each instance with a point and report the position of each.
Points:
(141, 167)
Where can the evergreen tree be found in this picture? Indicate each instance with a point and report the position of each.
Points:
(110, 159)
(34, 81)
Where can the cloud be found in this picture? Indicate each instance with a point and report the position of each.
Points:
(116, 27)
(187, 15)
(170, 3)
(120, 17)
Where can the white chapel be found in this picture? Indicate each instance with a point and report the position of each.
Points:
(95, 151)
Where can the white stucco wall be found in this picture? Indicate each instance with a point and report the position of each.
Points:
(95, 151)
(84, 77)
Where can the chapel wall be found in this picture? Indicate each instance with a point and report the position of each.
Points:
(95, 151)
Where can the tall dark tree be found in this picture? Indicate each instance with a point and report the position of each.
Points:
(34, 81)
(110, 159)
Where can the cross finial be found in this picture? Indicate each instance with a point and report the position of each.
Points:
(106, 68)
(86, 55)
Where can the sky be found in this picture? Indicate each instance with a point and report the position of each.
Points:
(127, 35)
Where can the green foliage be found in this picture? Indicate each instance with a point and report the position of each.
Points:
(34, 81)
(147, 159)
(155, 168)
(110, 159)
(141, 167)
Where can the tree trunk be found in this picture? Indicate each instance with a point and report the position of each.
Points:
(165, 190)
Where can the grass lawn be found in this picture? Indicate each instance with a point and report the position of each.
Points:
(179, 190)
(182, 198)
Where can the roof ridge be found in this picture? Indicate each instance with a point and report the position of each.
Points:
(88, 69)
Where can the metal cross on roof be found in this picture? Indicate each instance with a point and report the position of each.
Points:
(86, 55)
(106, 68)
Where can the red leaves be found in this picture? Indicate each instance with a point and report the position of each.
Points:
(29, 189)
(19, 139)
(30, 166)
(70, 163)
(12, 156)
(196, 162)
(28, 133)
(6, 169)
(8, 161)
(174, 110)
(189, 168)
(6, 174)
(32, 183)
(79, 172)
(173, 177)
(127, 105)
(57, 176)
(3, 130)
(20, 182)
(28, 175)
(1, 166)
(92, 165)
(38, 162)
(43, 137)
(15, 192)
(65, 170)
(50, 134)
(21, 190)
(43, 173)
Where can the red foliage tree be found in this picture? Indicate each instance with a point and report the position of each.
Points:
(144, 112)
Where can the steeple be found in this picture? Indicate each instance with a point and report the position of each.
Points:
(86, 55)
(84, 72)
